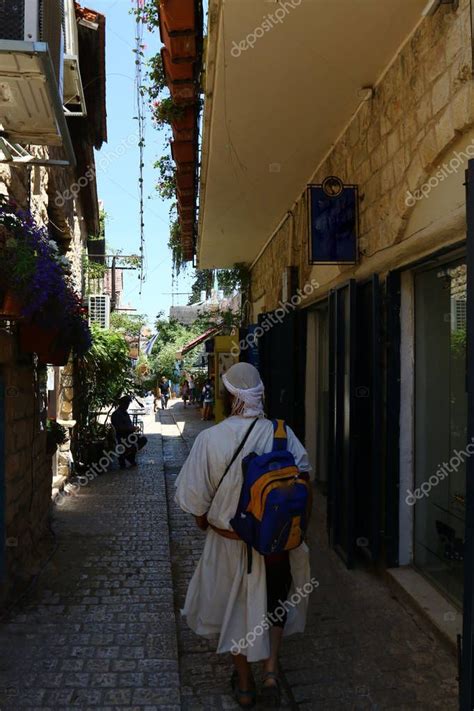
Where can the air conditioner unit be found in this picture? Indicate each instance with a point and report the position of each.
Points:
(99, 310)
(36, 21)
(31, 79)
(74, 100)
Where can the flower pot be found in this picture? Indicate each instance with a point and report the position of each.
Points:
(185, 182)
(183, 151)
(181, 48)
(176, 71)
(185, 169)
(184, 127)
(10, 306)
(185, 93)
(45, 342)
(185, 201)
(178, 15)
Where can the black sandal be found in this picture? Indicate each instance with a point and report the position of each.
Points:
(240, 695)
(271, 695)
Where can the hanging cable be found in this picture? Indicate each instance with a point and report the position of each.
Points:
(140, 102)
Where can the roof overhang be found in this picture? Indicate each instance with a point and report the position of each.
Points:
(278, 95)
(31, 110)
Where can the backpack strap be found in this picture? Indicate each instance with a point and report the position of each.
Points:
(237, 452)
(280, 437)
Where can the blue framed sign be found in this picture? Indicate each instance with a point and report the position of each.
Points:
(333, 217)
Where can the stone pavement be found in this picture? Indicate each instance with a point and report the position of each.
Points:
(101, 629)
(362, 650)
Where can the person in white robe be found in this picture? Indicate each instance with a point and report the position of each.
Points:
(223, 600)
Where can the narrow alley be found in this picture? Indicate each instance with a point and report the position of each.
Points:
(101, 628)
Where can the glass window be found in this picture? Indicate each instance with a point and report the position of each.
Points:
(440, 424)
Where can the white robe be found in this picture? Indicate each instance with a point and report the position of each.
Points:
(223, 600)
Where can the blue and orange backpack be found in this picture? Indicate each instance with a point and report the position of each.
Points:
(272, 513)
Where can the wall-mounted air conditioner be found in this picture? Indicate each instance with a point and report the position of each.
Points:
(99, 310)
(74, 101)
(31, 79)
(36, 21)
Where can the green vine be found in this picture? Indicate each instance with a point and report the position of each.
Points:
(176, 247)
(166, 185)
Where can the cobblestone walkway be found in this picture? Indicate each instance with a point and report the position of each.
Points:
(99, 630)
(102, 627)
(362, 650)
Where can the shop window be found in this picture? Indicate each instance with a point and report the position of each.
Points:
(440, 425)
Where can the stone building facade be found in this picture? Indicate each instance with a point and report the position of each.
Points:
(31, 392)
(398, 140)
(383, 339)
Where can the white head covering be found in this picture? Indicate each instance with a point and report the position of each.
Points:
(243, 381)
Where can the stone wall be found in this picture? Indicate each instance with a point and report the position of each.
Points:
(28, 467)
(420, 108)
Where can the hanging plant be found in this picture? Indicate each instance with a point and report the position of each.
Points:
(155, 77)
(176, 246)
(166, 111)
(32, 268)
(146, 11)
(166, 185)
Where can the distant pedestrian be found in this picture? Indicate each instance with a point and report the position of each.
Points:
(185, 392)
(123, 426)
(192, 390)
(236, 593)
(207, 400)
(165, 388)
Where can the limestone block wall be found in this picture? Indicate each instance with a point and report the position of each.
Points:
(396, 140)
(28, 468)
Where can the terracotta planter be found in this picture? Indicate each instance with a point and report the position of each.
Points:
(178, 15)
(185, 182)
(185, 168)
(10, 306)
(183, 151)
(184, 94)
(181, 48)
(185, 201)
(45, 342)
(184, 128)
(176, 71)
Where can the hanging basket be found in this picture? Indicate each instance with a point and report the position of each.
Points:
(10, 305)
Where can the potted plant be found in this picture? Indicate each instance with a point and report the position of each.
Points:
(56, 435)
(183, 151)
(166, 111)
(32, 268)
(176, 71)
(177, 15)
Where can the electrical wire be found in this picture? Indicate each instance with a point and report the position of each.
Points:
(140, 105)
